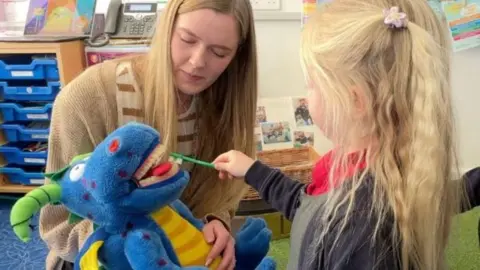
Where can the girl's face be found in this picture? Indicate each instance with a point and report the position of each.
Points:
(320, 113)
(204, 43)
(338, 127)
(316, 109)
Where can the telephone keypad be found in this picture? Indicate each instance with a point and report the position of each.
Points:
(138, 27)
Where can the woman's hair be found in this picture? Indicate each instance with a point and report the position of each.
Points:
(225, 111)
(403, 77)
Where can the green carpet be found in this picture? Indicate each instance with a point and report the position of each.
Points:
(463, 252)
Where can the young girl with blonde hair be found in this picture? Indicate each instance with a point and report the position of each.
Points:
(197, 86)
(379, 79)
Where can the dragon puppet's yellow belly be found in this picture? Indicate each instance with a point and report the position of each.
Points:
(187, 241)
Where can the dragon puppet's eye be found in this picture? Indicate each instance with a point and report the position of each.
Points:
(77, 172)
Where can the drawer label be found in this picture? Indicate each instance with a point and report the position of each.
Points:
(37, 181)
(22, 73)
(40, 136)
(37, 116)
(34, 160)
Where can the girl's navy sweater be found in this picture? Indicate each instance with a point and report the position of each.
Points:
(354, 249)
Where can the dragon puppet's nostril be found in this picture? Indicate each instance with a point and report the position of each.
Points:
(113, 147)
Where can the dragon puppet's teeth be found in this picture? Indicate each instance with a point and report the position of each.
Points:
(160, 174)
(142, 170)
(178, 161)
(154, 158)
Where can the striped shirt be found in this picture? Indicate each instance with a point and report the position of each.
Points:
(130, 108)
(186, 129)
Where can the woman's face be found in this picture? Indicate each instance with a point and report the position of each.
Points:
(204, 42)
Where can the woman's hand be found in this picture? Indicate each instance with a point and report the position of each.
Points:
(233, 164)
(223, 244)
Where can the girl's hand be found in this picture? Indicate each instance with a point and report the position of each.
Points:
(223, 244)
(233, 164)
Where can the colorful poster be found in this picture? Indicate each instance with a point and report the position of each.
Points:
(310, 6)
(59, 17)
(96, 55)
(436, 5)
(463, 18)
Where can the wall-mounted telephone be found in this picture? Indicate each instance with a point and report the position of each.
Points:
(128, 21)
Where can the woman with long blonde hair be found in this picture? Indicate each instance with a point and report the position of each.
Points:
(197, 86)
(380, 90)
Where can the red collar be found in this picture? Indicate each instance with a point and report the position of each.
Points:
(321, 170)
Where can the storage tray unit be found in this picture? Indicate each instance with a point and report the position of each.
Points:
(32, 175)
(24, 153)
(21, 67)
(31, 132)
(29, 84)
(33, 91)
(32, 75)
(12, 112)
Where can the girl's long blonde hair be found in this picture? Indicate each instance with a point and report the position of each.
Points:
(404, 77)
(225, 111)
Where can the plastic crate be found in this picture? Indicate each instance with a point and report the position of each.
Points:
(12, 112)
(13, 68)
(31, 92)
(32, 132)
(24, 175)
(19, 154)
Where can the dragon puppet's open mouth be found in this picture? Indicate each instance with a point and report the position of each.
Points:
(155, 170)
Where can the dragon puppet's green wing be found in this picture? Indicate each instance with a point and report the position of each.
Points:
(58, 175)
(80, 157)
(72, 218)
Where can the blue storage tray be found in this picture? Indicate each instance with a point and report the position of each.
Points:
(23, 176)
(18, 154)
(30, 93)
(32, 132)
(36, 69)
(12, 112)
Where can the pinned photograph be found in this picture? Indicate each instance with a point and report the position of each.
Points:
(302, 115)
(261, 116)
(303, 138)
(258, 142)
(277, 132)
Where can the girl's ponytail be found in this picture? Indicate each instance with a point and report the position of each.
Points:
(423, 199)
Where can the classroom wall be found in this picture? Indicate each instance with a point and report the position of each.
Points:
(466, 95)
(278, 35)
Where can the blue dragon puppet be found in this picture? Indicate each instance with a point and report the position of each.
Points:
(130, 189)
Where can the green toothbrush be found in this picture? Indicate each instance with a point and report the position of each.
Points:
(192, 160)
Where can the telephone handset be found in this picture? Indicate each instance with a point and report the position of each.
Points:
(112, 17)
(128, 20)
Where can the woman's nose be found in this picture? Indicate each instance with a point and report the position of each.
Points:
(197, 59)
